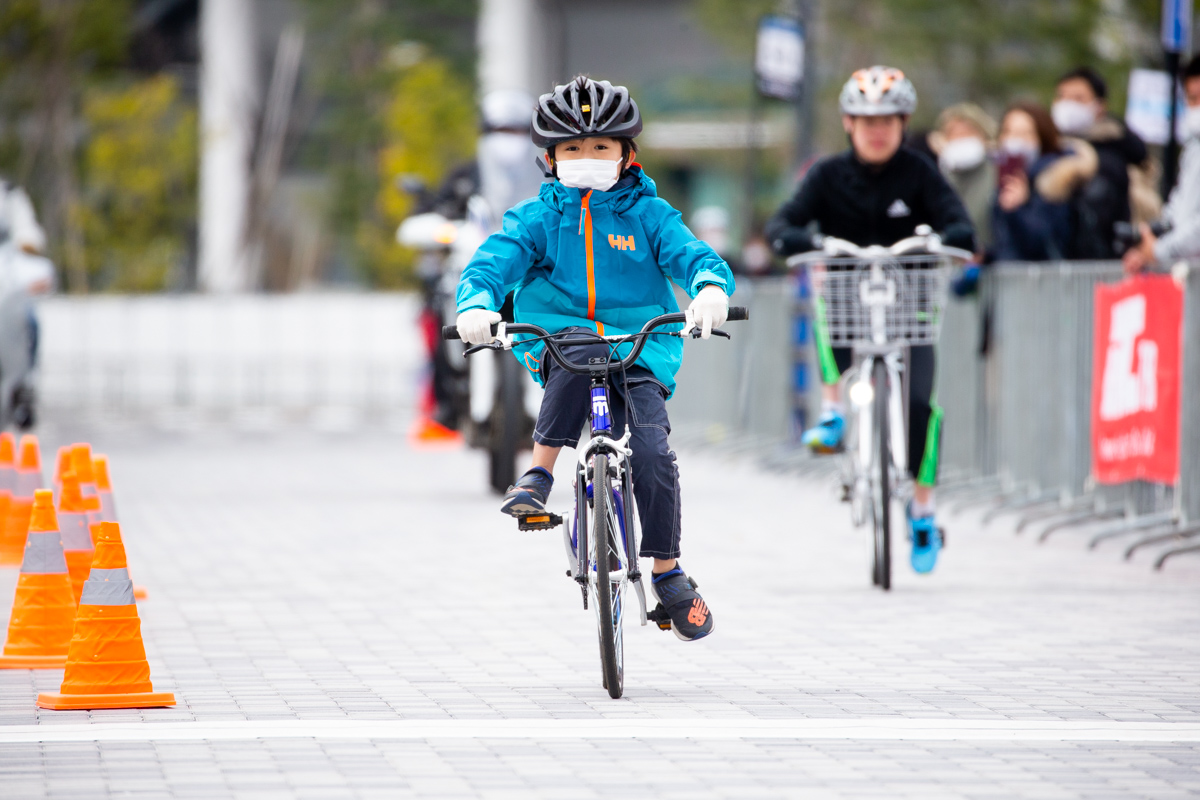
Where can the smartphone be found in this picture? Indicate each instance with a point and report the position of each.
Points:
(1009, 164)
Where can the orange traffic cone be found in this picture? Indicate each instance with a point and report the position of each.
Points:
(81, 465)
(62, 464)
(8, 478)
(106, 663)
(76, 534)
(39, 630)
(108, 507)
(16, 522)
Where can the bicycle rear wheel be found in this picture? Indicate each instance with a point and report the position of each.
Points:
(882, 486)
(608, 593)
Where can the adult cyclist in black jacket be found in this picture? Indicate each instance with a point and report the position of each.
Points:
(877, 192)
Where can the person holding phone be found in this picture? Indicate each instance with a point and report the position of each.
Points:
(1038, 173)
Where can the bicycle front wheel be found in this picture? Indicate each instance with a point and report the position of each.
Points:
(608, 592)
(882, 484)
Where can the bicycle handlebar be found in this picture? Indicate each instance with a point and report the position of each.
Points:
(832, 247)
(736, 314)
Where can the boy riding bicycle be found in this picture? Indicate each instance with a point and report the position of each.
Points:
(876, 193)
(596, 253)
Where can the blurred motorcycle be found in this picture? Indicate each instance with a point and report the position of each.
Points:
(484, 397)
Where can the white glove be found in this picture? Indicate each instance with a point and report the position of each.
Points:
(475, 325)
(709, 309)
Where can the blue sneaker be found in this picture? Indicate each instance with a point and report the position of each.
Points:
(528, 495)
(826, 435)
(926, 540)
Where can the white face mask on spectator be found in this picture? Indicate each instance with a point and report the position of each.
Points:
(589, 173)
(1020, 147)
(1072, 117)
(1191, 122)
(960, 155)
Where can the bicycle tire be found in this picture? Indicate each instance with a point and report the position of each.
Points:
(505, 425)
(883, 512)
(611, 654)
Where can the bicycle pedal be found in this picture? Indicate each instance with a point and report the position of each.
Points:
(539, 522)
(660, 617)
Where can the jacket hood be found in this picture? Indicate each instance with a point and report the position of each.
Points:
(621, 199)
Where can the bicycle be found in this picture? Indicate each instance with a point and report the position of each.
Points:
(612, 520)
(879, 301)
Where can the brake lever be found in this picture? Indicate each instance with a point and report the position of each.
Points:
(478, 347)
(696, 333)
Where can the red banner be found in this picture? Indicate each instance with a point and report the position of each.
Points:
(1135, 380)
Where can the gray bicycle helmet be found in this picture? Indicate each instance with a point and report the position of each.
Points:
(878, 92)
(585, 107)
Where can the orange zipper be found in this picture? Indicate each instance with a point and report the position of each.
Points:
(585, 222)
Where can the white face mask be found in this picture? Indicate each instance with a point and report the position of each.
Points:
(589, 173)
(1073, 117)
(1020, 147)
(960, 155)
(1191, 122)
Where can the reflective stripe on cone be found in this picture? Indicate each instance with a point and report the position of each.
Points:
(106, 662)
(40, 628)
(28, 480)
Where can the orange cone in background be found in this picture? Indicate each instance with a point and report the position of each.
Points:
(81, 465)
(108, 506)
(106, 662)
(39, 631)
(16, 522)
(62, 464)
(76, 534)
(8, 479)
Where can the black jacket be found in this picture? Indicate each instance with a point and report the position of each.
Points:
(870, 205)
(1104, 200)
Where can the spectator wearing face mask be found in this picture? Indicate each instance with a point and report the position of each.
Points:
(961, 142)
(1038, 174)
(1182, 212)
(1080, 109)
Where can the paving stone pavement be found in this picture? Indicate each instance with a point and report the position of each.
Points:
(298, 576)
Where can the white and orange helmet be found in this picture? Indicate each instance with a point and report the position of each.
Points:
(878, 92)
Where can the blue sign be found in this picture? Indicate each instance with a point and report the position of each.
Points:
(1177, 25)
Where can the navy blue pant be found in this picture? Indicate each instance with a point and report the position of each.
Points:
(564, 414)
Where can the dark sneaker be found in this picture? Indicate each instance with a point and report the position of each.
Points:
(680, 606)
(529, 494)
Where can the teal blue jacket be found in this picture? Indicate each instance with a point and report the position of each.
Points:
(601, 260)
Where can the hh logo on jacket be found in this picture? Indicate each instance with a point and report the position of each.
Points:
(621, 242)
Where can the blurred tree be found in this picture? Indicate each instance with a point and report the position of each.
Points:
(140, 187)
(362, 56)
(50, 52)
(430, 129)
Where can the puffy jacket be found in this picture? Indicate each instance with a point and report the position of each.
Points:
(867, 205)
(601, 260)
(1041, 229)
(1104, 200)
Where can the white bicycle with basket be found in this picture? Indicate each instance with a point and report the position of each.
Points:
(879, 301)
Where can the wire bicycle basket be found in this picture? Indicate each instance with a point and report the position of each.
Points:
(901, 298)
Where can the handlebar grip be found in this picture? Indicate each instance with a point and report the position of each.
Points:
(738, 313)
(449, 332)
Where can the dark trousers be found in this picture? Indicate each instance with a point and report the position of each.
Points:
(922, 367)
(643, 402)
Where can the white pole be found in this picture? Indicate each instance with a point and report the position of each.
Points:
(507, 37)
(228, 104)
